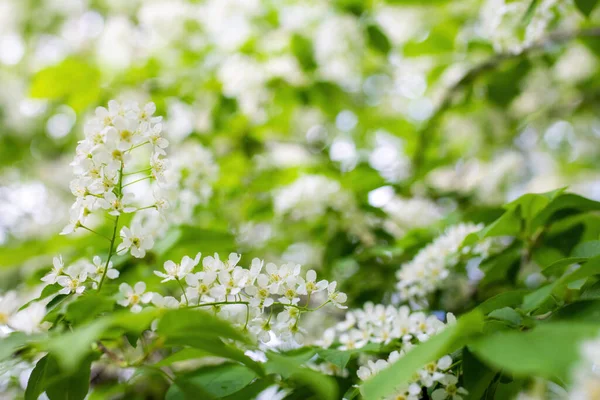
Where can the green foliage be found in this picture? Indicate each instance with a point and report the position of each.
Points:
(73, 81)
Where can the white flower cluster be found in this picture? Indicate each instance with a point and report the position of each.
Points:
(311, 196)
(435, 374)
(409, 213)
(425, 273)
(240, 295)
(383, 324)
(104, 159)
(586, 380)
(190, 180)
(80, 275)
(27, 320)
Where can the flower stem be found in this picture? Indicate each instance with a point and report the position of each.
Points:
(93, 231)
(136, 181)
(187, 303)
(114, 234)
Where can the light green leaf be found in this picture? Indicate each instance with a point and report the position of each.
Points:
(197, 323)
(74, 81)
(547, 351)
(323, 386)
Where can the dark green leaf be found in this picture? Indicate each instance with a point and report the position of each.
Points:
(476, 375)
(74, 386)
(88, 306)
(586, 6)
(217, 348)
(218, 381)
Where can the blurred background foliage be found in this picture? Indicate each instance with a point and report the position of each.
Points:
(456, 105)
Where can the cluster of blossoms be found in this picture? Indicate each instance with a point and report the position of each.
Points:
(408, 213)
(190, 180)
(105, 168)
(27, 320)
(426, 272)
(586, 380)
(240, 295)
(488, 181)
(436, 375)
(311, 196)
(82, 274)
(383, 324)
(402, 328)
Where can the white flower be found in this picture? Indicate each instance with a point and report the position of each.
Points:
(201, 284)
(145, 114)
(126, 133)
(96, 270)
(134, 296)
(310, 285)
(260, 293)
(117, 205)
(178, 271)
(135, 240)
(164, 302)
(433, 371)
(29, 320)
(8, 304)
(57, 270)
(158, 142)
(337, 298)
(73, 281)
(449, 389)
(159, 167)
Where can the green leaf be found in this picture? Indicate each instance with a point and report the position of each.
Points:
(303, 50)
(559, 267)
(586, 249)
(453, 337)
(74, 81)
(46, 292)
(563, 202)
(218, 381)
(88, 306)
(11, 343)
(182, 355)
(339, 358)
(71, 348)
(37, 380)
(504, 84)
(506, 299)
(586, 6)
(496, 268)
(583, 311)
(547, 351)
(508, 224)
(323, 386)
(539, 297)
(476, 375)
(73, 386)
(506, 314)
(197, 323)
(216, 347)
(377, 39)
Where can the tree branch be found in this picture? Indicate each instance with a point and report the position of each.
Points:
(427, 131)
